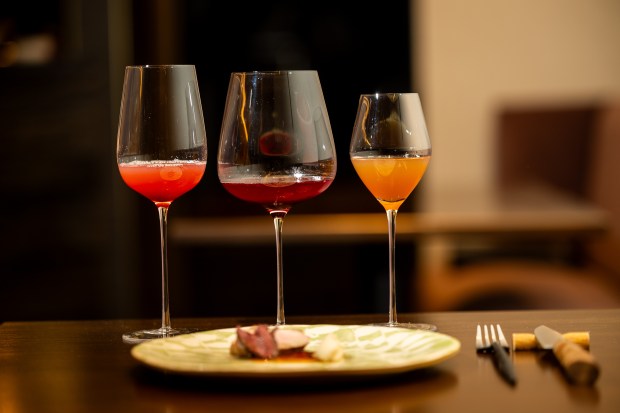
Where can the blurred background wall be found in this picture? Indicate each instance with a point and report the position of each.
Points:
(520, 92)
(477, 58)
(77, 243)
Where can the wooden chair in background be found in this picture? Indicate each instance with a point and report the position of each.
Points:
(574, 150)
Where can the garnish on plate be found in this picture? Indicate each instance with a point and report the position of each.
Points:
(260, 342)
(329, 349)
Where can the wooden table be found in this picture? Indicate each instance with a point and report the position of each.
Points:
(83, 366)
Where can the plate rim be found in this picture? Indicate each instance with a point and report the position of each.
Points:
(452, 351)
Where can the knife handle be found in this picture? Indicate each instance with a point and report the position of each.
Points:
(578, 363)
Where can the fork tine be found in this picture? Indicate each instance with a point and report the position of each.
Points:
(484, 341)
(502, 338)
(487, 341)
(479, 343)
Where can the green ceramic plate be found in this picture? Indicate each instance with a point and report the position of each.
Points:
(368, 350)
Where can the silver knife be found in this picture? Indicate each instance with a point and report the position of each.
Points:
(579, 364)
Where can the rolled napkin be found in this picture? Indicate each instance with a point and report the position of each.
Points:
(527, 341)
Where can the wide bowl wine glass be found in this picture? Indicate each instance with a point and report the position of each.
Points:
(276, 146)
(390, 150)
(161, 151)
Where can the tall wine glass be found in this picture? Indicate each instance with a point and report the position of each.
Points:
(161, 151)
(390, 150)
(276, 146)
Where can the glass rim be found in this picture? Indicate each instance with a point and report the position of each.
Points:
(158, 66)
(389, 93)
(274, 72)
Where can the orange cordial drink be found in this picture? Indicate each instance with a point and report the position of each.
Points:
(390, 179)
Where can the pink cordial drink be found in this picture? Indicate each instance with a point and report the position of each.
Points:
(162, 181)
(278, 194)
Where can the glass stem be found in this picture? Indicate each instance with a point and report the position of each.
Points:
(278, 220)
(391, 217)
(165, 302)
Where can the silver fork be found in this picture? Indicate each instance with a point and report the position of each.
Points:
(486, 345)
(499, 347)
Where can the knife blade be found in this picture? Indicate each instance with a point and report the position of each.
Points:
(579, 364)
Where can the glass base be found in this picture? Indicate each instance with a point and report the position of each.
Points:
(412, 326)
(146, 335)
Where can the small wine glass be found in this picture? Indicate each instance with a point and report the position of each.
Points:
(276, 146)
(390, 150)
(161, 152)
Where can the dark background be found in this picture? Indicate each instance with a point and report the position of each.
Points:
(78, 244)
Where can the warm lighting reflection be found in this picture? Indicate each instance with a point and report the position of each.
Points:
(36, 49)
(39, 384)
(243, 105)
(8, 401)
